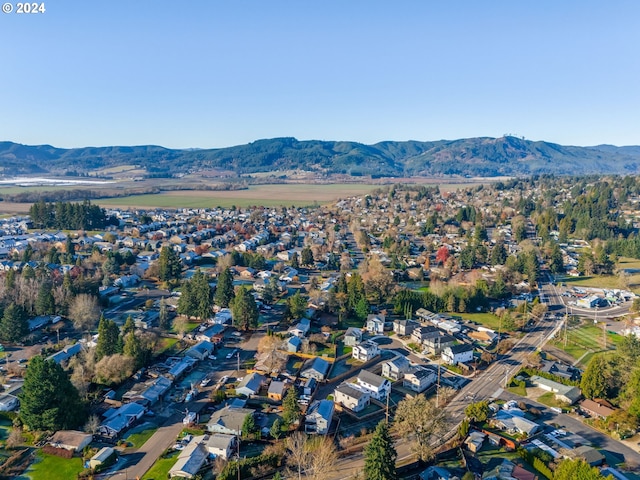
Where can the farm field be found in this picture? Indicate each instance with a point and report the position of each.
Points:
(266, 195)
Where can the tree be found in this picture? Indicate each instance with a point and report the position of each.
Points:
(306, 256)
(478, 412)
(249, 427)
(276, 429)
(442, 254)
(594, 379)
(295, 262)
(48, 400)
(163, 315)
(84, 311)
(15, 438)
(13, 325)
(569, 469)
(133, 348)
(290, 408)
(109, 341)
(298, 453)
(380, 455)
(321, 459)
(296, 306)
(169, 265)
(92, 425)
(196, 300)
(245, 310)
(224, 289)
(114, 369)
(45, 304)
(422, 421)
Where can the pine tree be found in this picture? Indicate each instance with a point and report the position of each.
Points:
(380, 455)
(290, 408)
(48, 400)
(244, 310)
(594, 383)
(306, 256)
(45, 304)
(14, 326)
(133, 348)
(109, 341)
(170, 266)
(224, 289)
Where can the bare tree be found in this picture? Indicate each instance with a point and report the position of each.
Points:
(92, 425)
(322, 457)
(84, 311)
(15, 438)
(298, 453)
(114, 369)
(422, 421)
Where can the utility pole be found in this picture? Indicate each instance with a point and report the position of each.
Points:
(506, 376)
(387, 412)
(238, 356)
(566, 320)
(438, 389)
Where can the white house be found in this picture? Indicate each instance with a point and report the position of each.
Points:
(375, 324)
(376, 385)
(318, 417)
(219, 444)
(365, 351)
(395, 368)
(228, 420)
(352, 337)
(419, 379)
(457, 354)
(351, 397)
(301, 328)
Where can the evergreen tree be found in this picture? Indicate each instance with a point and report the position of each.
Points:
(129, 326)
(224, 289)
(362, 309)
(14, 326)
(170, 266)
(594, 383)
(133, 348)
(249, 427)
(163, 315)
(10, 279)
(109, 341)
(45, 304)
(244, 310)
(290, 408)
(306, 256)
(276, 428)
(380, 455)
(48, 400)
(295, 262)
(296, 307)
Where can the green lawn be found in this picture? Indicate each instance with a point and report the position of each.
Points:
(597, 281)
(139, 438)
(519, 390)
(488, 320)
(549, 399)
(160, 469)
(50, 467)
(584, 340)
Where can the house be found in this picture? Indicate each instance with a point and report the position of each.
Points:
(148, 393)
(437, 473)
(228, 420)
(250, 384)
(190, 461)
(419, 379)
(563, 393)
(301, 328)
(376, 385)
(102, 457)
(223, 317)
(513, 423)
(405, 327)
(201, 350)
(375, 324)
(589, 454)
(293, 344)
(395, 368)
(561, 370)
(318, 417)
(118, 420)
(8, 402)
(435, 344)
(276, 390)
(351, 397)
(483, 336)
(596, 408)
(475, 441)
(352, 337)
(420, 334)
(456, 354)
(72, 440)
(210, 334)
(219, 444)
(365, 351)
(317, 368)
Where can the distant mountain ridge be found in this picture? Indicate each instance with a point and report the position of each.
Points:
(482, 156)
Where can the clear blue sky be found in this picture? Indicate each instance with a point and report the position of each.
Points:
(213, 73)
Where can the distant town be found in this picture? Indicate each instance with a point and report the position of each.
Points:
(409, 333)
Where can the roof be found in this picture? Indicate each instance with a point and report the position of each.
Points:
(322, 408)
(218, 441)
(103, 454)
(461, 348)
(568, 391)
(231, 418)
(276, 387)
(592, 406)
(318, 364)
(353, 331)
(252, 382)
(71, 438)
(589, 454)
(371, 378)
(350, 391)
(190, 459)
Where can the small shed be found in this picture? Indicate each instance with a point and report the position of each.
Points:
(102, 457)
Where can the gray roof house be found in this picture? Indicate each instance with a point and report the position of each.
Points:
(201, 350)
(116, 421)
(395, 368)
(228, 420)
(318, 417)
(190, 461)
(352, 337)
(293, 344)
(351, 397)
(564, 393)
(376, 385)
(250, 384)
(317, 368)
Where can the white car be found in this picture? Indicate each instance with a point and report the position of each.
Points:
(205, 382)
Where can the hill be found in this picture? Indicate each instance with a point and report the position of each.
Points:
(472, 156)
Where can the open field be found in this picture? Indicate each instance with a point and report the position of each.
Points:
(161, 468)
(265, 195)
(488, 320)
(596, 281)
(585, 340)
(50, 467)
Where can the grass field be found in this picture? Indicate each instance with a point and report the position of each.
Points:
(50, 467)
(265, 195)
(139, 437)
(596, 281)
(585, 340)
(161, 468)
(488, 320)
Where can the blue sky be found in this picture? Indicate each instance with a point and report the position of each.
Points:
(211, 73)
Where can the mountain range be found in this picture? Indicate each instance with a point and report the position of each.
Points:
(482, 156)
